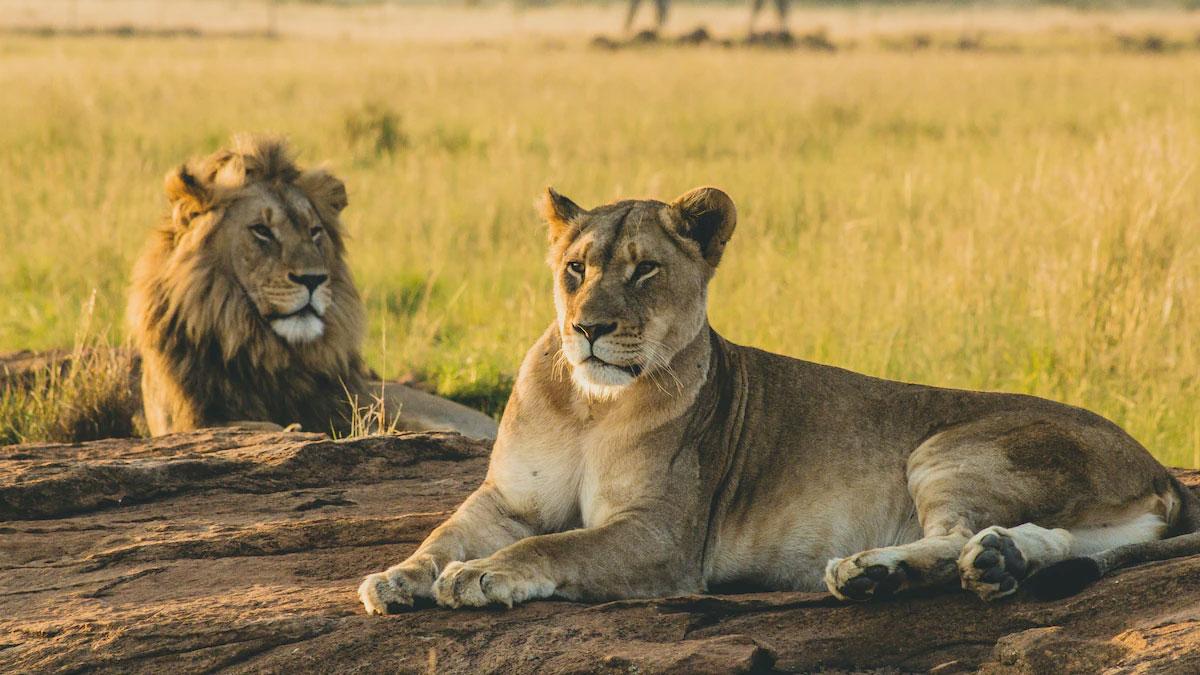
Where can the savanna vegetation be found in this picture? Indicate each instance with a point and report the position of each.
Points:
(1015, 212)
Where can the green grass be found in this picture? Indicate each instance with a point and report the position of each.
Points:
(1021, 221)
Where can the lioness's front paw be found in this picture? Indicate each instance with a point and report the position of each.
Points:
(393, 591)
(381, 596)
(870, 574)
(478, 583)
(991, 565)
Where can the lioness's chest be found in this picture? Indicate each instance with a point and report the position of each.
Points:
(612, 472)
(570, 482)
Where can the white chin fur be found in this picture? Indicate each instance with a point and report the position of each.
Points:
(600, 382)
(299, 329)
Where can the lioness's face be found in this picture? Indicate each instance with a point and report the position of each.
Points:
(629, 283)
(282, 257)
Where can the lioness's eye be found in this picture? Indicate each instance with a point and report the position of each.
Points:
(262, 232)
(644, 270)
(576, 268)
(315, 232)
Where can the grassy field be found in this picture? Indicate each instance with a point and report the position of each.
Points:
(1010, 219)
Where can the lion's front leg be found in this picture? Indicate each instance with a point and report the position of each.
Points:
(482, 525)
(626, 558)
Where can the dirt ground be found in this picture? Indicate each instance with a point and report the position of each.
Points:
(227, 550)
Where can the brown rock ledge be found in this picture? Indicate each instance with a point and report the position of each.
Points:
(241, 551)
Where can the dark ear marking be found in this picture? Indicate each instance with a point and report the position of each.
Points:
(326, 192)
(561, 214)
(709, 217)
(189, 181)
(189, 197)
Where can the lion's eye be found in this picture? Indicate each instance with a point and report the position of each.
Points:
(576, 268)
(644, 270)
(315, 232)
(262, 232)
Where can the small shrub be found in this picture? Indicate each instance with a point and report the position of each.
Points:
(1152, 43)
(969, 42)
(697, 36)
(817, 40)
(911, 43)
(375, 128)
(454, 139)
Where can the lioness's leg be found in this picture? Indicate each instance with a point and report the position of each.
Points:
(1005, 473)
(990, 563)
(481, 526)
(952, 499)
(997, 559)
(625, 558)
(929, 561)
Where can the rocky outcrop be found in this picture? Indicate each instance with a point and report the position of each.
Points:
(233, 550)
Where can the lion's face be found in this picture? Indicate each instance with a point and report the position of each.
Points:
(252, 256)
(281, 255)
(629, 283)
(242, 304)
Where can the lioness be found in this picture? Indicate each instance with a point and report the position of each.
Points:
(245, 313)
(642, 454)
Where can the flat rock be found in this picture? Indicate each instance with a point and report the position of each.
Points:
(229, 550)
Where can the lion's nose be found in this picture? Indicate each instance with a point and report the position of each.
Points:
(309, 281)
(593, 331)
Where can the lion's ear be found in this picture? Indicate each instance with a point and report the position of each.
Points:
(189, 197)
(326, 193)
(709, 217)
(561, 214)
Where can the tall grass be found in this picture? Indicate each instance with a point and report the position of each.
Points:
(86, 394)
(1013, 221)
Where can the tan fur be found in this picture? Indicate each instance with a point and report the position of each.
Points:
(222, 313)
(643, 455)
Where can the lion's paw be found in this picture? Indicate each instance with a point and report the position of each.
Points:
(381, 595)
(478, 583)
(870, 574)
(991, 565)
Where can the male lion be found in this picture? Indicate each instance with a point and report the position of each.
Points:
(642, 454)
(244, 310)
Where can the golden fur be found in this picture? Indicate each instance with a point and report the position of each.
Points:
(219, 309)
(641, 454)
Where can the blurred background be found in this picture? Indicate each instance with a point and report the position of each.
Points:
(992, 195)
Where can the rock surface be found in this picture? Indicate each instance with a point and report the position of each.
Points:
(234, 550)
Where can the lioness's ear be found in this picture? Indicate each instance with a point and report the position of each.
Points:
(709, 217)
(326, 193)
(561, 214)
(188, 196)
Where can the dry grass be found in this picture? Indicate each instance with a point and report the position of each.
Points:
(85, 396)
(1019, 220)
(370, 417)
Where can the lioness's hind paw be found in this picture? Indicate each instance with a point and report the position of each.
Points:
(380, 596)
(991, 565)
(864, 576)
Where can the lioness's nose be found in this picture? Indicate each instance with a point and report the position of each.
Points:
(593, 331)
(309, 281)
